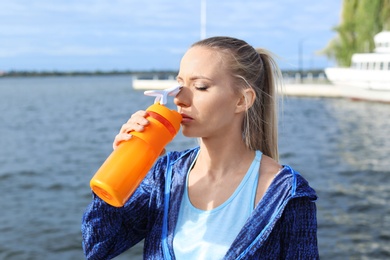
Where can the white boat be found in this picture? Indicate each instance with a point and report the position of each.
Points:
(368, 70)
(154, 83)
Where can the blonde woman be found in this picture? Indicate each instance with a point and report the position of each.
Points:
(229, 198)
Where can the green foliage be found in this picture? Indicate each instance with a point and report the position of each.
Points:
(385, 15)
(360, 21)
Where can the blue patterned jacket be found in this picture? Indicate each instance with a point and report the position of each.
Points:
(282, 226)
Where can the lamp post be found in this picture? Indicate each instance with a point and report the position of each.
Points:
(202, 19)
(300, 59)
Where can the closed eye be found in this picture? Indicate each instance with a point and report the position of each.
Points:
(201, 87)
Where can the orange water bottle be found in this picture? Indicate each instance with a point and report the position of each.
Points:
(128, 164)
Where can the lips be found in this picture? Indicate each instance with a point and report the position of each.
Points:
(186, 118)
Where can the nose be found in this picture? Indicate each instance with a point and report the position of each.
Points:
(182, 99)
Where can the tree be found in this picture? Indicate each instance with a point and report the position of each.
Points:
(360, 21)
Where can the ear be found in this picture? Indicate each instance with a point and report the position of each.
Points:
(246, 100)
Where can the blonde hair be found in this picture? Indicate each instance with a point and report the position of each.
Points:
(256, 69)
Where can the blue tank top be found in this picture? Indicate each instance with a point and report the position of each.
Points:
(208, 234)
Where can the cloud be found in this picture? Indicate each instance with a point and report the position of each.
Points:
(57, 51)
(134, 28)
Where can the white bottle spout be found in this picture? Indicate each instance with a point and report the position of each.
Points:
(162, 95)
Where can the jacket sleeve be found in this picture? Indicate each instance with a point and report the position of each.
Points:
(108, 231)
(300, 227)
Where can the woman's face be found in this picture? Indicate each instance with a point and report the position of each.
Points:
(207, 101)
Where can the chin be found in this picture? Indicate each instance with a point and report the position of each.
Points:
(188, 133)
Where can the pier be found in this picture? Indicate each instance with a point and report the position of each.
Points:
(311, 90)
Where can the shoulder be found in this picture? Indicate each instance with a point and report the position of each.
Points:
(276, 178)
(299, 186)
(269, 168)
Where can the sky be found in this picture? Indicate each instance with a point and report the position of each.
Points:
(106, 35)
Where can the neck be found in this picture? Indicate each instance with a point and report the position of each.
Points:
(222, 158)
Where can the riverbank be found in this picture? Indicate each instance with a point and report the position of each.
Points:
(311, 90)
(333, 91)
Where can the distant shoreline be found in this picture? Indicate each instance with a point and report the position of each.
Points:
(80, 73)
(145, 73)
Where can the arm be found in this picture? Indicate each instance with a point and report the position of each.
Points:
(108, 231)
(300, 230)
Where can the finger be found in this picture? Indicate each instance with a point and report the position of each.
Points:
(128, 127)
(140, 113)
(119, 138)
(137, 122)
(139, 117)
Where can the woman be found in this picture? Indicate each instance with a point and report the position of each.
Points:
(229, 198)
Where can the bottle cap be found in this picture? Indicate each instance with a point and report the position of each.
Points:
(162, 95)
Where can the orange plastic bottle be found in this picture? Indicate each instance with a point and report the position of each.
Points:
(128, 164)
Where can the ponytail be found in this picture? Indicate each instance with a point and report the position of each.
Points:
(263, 115)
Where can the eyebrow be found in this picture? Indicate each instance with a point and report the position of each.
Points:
(194, 77)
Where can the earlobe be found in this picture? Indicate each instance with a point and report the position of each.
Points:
(246, 100)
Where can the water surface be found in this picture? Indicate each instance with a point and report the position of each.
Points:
(55, 132)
